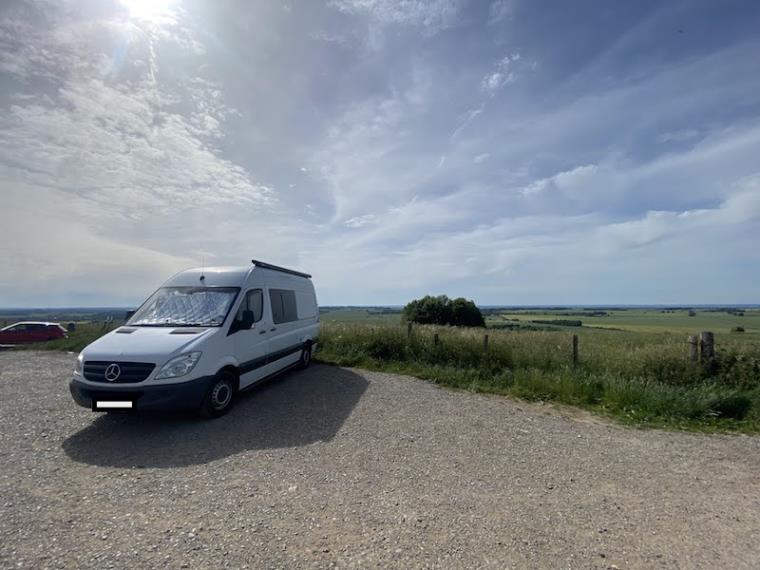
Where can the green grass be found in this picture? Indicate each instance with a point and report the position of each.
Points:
(638, 378)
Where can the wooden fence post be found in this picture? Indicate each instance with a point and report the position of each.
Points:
(409, 330)
(693, 350)
(485, 342)
(575, 349)
(707, 347)
(435, 339)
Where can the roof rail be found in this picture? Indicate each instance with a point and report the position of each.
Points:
(258, 263)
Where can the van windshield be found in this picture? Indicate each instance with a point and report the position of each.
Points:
(186, 307)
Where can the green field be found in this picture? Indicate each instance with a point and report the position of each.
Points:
(360, 315)
(648, 320)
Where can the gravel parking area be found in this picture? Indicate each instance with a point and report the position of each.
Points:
(336, 467)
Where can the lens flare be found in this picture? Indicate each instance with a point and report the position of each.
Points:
(153, 11)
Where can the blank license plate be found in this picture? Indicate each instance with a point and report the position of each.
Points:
(100, 405)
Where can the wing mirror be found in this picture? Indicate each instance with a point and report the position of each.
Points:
(244, 323)
(129, 314)
(247, 320)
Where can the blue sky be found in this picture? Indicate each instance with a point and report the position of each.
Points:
(510, 151)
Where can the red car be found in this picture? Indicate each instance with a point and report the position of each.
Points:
(31, 332)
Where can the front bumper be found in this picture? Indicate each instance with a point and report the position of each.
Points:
(180, 396)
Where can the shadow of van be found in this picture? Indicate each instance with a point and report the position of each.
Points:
(292, 410)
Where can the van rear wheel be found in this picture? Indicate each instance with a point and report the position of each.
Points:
(219, 397)
(306, 356)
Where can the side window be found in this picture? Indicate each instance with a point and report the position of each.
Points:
(254, 301)
(256, 304)
(289, 306)
(275, 298)
(284, 308)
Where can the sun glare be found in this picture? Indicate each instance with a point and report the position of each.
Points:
(154, 11)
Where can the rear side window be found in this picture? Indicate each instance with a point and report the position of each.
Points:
(284, 308)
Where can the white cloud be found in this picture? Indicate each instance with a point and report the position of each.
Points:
(119, 146)
(359, 221)
(502, 75)
(117, 163)
(52, 249)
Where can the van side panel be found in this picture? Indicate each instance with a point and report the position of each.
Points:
(290, 335)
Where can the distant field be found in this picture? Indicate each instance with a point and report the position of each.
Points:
(647, 321)
(359, 315)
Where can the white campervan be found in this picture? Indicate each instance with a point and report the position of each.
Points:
(205, 335)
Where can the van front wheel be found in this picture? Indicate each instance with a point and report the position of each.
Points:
(220, 396)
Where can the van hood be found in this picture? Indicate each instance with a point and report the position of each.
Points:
(146, 344)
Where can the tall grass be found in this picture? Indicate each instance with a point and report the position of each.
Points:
(644, 379)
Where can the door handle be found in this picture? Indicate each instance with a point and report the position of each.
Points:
(273, 329)
(262, 332)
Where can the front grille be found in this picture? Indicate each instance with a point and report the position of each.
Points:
(131, 372)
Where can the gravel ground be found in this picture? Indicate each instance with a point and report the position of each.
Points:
(336, 467)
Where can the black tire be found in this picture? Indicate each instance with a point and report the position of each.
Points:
(220, 396)
(305, 356)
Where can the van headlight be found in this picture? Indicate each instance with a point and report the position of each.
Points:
(179, 366)
(79, 364)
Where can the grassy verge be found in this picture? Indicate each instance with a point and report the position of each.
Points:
(640, 379)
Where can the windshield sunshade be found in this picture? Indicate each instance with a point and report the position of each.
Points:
(186, 306)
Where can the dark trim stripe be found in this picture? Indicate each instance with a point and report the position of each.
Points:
(268, 377)
(251, 365)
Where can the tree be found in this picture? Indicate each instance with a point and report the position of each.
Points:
(441, 310)
(465, 313)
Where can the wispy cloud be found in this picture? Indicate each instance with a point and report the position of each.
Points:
(501, 10)
(432, 14)
(682, 135)
(502, 74)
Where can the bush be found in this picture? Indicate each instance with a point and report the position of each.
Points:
(737, 329)
(441, 310)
